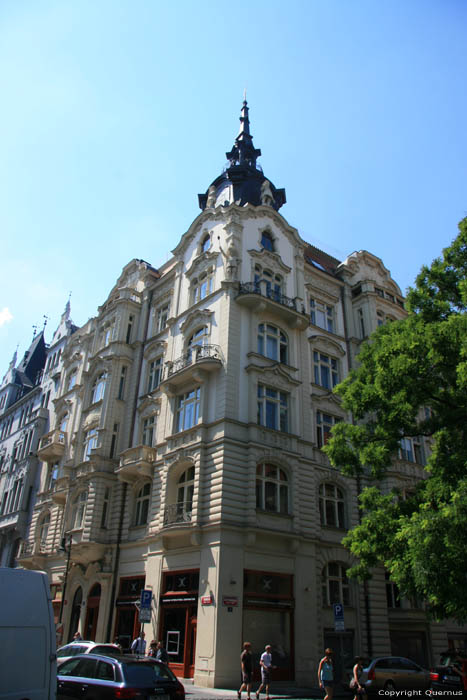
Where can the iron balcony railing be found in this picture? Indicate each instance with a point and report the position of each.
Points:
(274, 295)
(195, 354)
(178, 513)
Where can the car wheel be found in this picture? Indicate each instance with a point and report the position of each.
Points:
(389, 686)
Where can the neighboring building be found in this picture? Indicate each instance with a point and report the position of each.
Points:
(184, 451)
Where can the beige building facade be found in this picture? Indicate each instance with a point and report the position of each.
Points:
(184, 451)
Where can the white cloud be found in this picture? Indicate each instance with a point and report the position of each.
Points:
(5, 316)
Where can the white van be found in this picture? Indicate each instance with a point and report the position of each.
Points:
(28, 660)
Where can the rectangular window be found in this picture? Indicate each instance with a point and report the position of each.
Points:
(90, 443)
(361, 323)
(273, 408)
(325, 370)
(113, 442)
(129, 329)
(322, 315)
(155, 374)
(187, 414)
(121, 386)
(162, 316)
(105, 508)
(324, 423)
(148, 431)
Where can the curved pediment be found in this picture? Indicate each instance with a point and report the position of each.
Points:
(200, 317)
(322, 342)
(156, 347)
(274, 375)
(270, 260)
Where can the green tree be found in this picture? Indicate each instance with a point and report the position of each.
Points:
(412, 381)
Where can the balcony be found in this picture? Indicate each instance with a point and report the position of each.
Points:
(193, 365)
(60, 489)
(178, 513)
(52, 446)
(32, 555)
(260, 299)
(136, 462)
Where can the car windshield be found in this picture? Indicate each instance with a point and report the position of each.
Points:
(146, 673)
(71, 650)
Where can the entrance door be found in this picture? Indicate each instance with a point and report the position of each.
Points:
(274, 627)
(178, 627)
(92, 612)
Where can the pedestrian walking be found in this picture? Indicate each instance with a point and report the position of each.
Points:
(138, 645)
(161, 653)
(326, 674)
(266, 667)
(246, 661)
(356, 684)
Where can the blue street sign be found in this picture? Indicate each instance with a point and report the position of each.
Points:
(146, 599)
(338, 611)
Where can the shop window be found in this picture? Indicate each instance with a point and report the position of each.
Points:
(273, 408)
(335, 584)
(272, 489)
(331, 506)
(272, 343)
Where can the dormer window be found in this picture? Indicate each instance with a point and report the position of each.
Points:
(206, 243)
(267, 241)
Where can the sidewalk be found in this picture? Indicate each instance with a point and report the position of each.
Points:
(279, 692)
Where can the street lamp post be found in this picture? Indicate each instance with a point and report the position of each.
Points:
(67, 549)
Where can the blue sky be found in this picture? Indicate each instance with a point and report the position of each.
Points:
(116, 114)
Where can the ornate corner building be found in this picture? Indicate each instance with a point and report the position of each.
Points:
(180, 449)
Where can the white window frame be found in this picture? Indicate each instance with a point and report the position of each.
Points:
(273, 343)
(322, 315)
(272, 408)
(202, 285)
(78, 511)
(98, 387)
(325, 365)
(91, 440)
(272, 489)
(148, 430)
(331, 506)
(142, 502)
(188, 409)
(335, 586)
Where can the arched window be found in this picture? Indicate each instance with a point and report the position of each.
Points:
(335, 584)
(142, 505)
(202, 285)
(272, 343)
(267, 241)
(98, 387)
(331, 506)
(267, 283)
(185, 490)
(90, 442)
(43, 529)
(199, 339)
(78, 510)
(272, 489)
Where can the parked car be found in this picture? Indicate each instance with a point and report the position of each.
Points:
(74, 648)
(443, 677)
(124, 677)
(395, 673)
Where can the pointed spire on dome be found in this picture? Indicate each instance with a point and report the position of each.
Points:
(66, 313)
(14, 358)
(243, 151)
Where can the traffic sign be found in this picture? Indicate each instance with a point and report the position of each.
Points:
(146, 599)
(339, 625)
(145, 615)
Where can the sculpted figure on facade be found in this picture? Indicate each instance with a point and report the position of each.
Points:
(267, 196)
(230, 260)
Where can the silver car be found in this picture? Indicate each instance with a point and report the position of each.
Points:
(395, 673)
(82, 647)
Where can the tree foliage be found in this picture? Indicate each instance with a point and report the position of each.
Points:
(412, 381)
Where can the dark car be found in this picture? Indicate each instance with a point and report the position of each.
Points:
(391, 673)
(123, 677)
(444, 677)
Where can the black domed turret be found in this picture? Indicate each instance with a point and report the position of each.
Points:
(242, 181)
